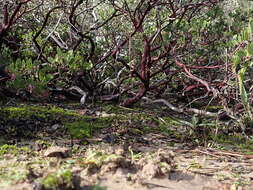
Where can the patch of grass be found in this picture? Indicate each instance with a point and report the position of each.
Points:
(238, 141)
(248, 147)
(134, 156)
(11, 173)
(163, 125)
(12, 178)
(96, 157)
(228, 139)
(62, 179)
(13, 149)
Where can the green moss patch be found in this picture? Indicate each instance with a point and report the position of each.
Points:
(86, 127)
(28, 120)
(62, 179)
(36, 112)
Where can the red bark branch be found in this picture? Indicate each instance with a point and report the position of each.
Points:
(190, 75)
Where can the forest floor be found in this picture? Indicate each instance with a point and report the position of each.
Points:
(107, 147)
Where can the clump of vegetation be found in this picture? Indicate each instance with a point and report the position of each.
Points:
(62, 179)
(85, 127)
(11, 171)
(36, 111)
(100, 157)
(15, 175)
(13, 149)
(80, 129)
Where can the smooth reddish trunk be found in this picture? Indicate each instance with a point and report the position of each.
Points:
(129, 102)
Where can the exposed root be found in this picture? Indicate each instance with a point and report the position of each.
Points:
(183, 110)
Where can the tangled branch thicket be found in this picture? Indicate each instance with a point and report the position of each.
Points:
(178, 51)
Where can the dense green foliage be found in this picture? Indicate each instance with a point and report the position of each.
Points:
(124, 50)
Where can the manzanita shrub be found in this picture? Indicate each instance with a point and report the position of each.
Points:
(242, 54)
(130, 49)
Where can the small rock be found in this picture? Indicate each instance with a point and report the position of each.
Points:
(159, 165)
(119, 151)
(56, 151)
(110, 138)
(109, 167)
(22, 158)
(104, 114)
(150, 171)
(55, 127)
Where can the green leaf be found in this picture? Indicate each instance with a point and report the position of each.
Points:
(242, 74)
(239, 38)
(59, 52)
(245, 35)
(251, 24)
(250, 49)
(236, 60)
(244, 96)
(242, 53)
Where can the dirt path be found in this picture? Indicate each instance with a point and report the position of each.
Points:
(111, 167)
